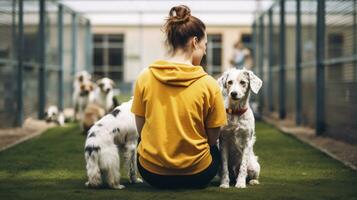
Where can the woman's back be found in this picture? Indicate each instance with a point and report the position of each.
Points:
(178, 103)
(179, 110)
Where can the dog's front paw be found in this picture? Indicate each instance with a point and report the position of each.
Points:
(241, 184)
(91, 185)
(254, 182)
(224, 185)
(119, 187)
(136, 180)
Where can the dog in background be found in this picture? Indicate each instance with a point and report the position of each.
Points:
(52, 114)
(80, 77)
(80, 84)
(84, 97)
(237, 138)
(115, 131)
(104, 95)
(92, 114)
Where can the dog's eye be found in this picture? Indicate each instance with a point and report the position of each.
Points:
(242, 82)
(230, 82)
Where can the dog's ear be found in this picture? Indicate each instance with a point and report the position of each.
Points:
(80, 78)
(255, 82)
(91, 87)
(222, 82)
(98, 82)
(112, 83)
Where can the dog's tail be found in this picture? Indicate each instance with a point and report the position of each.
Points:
(91, 153)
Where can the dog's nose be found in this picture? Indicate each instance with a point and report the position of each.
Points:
(234, 94)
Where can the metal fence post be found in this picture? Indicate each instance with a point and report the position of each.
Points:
(320, 68)
(261, 60)
(298, 65)
(60, 56)
(20, 50)
(270, 60)
(254, 41)
(88, 43)
(42, 61)
(74, 45)
(355, 38)
(282, 111)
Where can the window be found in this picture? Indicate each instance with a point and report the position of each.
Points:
(109, 56)
(212, 61)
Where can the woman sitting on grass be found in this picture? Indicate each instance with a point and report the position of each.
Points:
(179, 110)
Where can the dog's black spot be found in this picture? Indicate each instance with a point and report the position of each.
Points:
(99, 124)
(115, 112)
(92, 134)
(91, 149)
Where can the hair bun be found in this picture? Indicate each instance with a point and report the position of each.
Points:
(180, 13)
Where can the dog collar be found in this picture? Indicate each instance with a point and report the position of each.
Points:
(238, 111)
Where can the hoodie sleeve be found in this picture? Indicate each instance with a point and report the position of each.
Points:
(138, 107)
(217, 114)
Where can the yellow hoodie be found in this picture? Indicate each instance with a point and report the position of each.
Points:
(178, 102)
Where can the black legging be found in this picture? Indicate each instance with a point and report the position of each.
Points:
(199, 180)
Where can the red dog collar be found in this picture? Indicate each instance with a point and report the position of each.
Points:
(238, 112)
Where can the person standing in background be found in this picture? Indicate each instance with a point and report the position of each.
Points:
(241, 56)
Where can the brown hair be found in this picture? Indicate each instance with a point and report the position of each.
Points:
(180, 26)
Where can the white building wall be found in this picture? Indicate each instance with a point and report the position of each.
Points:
(145, 44)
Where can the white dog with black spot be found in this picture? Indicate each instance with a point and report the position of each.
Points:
(114, 132)
(237, 138)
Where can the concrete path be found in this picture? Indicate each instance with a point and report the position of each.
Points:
(339, 150)
(31, 128)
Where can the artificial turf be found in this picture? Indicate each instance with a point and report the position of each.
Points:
(52, 166)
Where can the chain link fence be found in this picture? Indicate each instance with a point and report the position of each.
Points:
(42, 44)
(306, 53)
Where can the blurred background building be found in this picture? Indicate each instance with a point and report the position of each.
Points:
(128, 35)
(304, 50)
(44, 43)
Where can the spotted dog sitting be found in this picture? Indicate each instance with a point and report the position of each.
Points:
(237, 138)
(115, 131)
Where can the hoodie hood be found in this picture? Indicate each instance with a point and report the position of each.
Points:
(176, 74)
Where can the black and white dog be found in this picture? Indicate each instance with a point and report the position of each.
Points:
(114, 132)
(237, 138)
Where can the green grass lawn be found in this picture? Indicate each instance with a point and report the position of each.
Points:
(52, 166)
